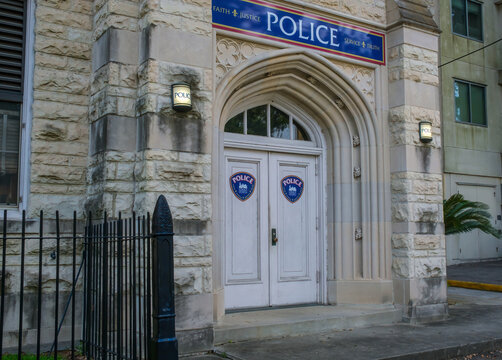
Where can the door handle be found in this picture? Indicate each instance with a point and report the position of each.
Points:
(274, 237)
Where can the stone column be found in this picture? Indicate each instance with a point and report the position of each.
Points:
(174, 150)
(112, 110)
(418, 241)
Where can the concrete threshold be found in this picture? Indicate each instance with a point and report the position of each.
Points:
(294, 321)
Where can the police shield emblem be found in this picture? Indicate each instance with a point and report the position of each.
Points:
(292, 188)
(242, 185)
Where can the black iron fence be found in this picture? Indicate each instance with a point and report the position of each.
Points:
(41, 275)
(100, 291)
(117, 288)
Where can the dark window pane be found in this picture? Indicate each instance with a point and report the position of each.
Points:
(461, 101)
(235, 124)
(299, 132)
(475, 20)
(458, 17)
(279, 123)
(9, 152)
(478, 105)
(257, 121)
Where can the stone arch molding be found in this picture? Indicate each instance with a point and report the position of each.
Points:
(348, 131)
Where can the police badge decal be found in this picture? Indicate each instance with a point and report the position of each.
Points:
(242, 185)
(292, 188)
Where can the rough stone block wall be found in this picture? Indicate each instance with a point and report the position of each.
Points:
(112, 108)
(418, 239)
(59, 140)
(174, 149)
(373, 10)
(31, 275)
(141, 148)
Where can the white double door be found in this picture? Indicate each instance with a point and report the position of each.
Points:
(258, 271)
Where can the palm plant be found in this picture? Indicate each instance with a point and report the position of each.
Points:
(461, 215)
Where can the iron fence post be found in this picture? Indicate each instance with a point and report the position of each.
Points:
(164, 344)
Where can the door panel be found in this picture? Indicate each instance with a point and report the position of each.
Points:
(257, 273)
(476, 245)
(468, 242)
(293, 262)
(246, 253)
(488, 244)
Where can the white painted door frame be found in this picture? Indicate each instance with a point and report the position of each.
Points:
(233, 141)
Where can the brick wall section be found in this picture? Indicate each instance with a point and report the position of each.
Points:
(59, 140)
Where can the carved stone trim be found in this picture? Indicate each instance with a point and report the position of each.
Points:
(232, 52)
(357, 172)
(358, 234)
(339, 103)
(356, 141)
(364, 78)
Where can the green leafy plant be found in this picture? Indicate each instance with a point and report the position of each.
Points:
(29, 357)
(461, 216)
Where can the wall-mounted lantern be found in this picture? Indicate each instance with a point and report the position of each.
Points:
(182, 97)
(425, 131)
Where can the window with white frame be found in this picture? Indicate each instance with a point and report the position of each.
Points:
(267, 120)
(12, 62)
(467, 18)
(470, 103)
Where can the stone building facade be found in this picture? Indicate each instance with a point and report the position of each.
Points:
(100, 134)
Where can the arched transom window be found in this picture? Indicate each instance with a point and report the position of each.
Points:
(267, 120)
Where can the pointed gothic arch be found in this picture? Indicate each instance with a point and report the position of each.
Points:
(357, 205)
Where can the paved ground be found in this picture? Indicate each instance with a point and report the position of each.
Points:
(485, 272)
(473, 331)
(489, 355)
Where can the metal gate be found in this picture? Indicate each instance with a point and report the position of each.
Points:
(103, 290)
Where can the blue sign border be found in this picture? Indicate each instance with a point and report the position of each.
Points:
(261, 19)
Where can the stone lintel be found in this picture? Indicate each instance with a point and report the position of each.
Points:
(191, 227)
(172, 132)
(116, 45)
(113, 133)
(419, 228)
(399, 34)
(360, 292)
(406, 92)
(164, 44)
(411, 158)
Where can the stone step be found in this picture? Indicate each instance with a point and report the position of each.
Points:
(293, 321)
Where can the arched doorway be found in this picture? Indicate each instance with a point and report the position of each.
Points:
(271, 216)
(352, 233)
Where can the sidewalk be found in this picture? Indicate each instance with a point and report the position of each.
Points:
(474, 325)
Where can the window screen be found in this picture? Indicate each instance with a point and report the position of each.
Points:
(12, 39)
